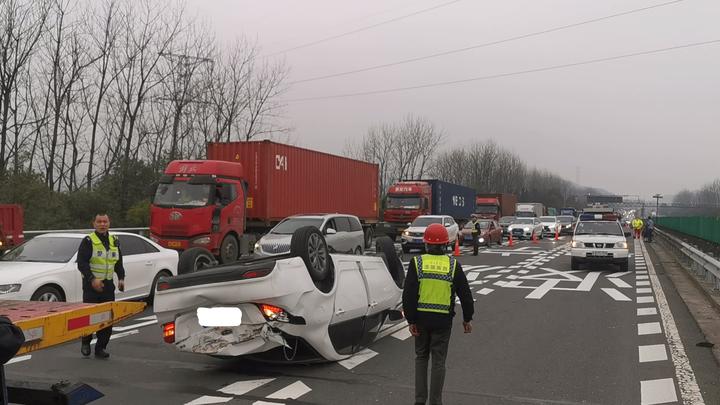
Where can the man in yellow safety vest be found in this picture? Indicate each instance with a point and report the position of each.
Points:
(637, 225)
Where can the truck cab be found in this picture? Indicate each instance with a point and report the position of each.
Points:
(487, 208)
(406, 201)
(200, 203)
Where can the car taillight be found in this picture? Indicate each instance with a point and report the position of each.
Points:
(256, 273)
(273, 313)
(169, 332)
(162, 286)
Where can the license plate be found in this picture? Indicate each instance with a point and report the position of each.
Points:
(219, 316)
(174, 244)
(417, 240)
(598, 253)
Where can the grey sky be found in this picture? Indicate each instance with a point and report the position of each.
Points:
(633, 126)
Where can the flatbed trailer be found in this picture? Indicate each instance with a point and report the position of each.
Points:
(47, 324)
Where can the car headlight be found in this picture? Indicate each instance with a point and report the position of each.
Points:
(576, 244)
(203, 240)
(621, 245)
(406, 233)
(481, 240)
(527, 229)
(257, 246)
(9, 288)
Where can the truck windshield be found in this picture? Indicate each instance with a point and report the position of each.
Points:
(548, 219)
(412, 203)
(486, 209)
(524, 214)
(44, 250)
(425, 221)
(290, 225)
(182, 194)
(507, 220)
(598, 228)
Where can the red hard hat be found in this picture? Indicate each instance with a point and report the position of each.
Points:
(436, 234)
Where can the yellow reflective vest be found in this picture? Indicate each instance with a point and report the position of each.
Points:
(102, 261)
(435, 276)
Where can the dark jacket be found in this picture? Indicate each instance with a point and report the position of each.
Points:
(85, 251)
(11, 338)
(411, 294)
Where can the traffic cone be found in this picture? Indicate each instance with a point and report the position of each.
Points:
(510, 241)
(457, 247)
(557, 234)
(534, 238)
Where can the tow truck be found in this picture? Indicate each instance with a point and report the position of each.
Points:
(48, 324)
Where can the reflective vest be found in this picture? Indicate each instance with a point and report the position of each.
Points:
(637, 223)
(102, 261)
(474, 226)
(435, 276)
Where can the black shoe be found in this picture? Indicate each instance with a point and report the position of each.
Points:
(85, 349)
(101, 354)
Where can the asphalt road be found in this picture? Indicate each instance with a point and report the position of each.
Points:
(542, 335)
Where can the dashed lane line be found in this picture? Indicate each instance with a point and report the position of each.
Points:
(358, 358)
(243, 387)
(292, 391)
(619, 283)
(649, 328)
(209, 399)
(660, 391)
(616, 295)
(646, 311)
(650, 353)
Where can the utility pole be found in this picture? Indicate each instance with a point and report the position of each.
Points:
(657, 198)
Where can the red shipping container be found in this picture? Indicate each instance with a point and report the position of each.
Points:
(285, 180)
(11, 226)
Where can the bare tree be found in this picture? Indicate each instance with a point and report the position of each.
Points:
(261, 95)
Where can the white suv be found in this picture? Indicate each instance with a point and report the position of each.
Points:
(343, 234)
(412, 238)
(598, 240)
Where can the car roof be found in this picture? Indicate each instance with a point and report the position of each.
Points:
(321, 216)
(433, 216)
(78, 235)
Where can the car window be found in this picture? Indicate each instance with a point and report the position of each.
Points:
(229, 189)
(330, 224)
(355, 225)
(53, 249)
(342, 223)
(132, 245)
(448, 221)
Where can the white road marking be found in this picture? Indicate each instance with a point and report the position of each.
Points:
(470, 268)
(615, 275)
(493, 268)
(646, 311)
(292, 391)
(485, 291)
(505, 271)
(514, 267)
(512, 277)
(477, 282)
(645, 299)
(505, 254)
(616, 295)
(652, 353)
(472, 276)
(391, 329)
(243, 387)
(689, 390)
(118, 335)
(644, 291)
(588, 282)
(658, 392)
(542, 290)
(531, 267)
(494, 276)
(208, 399)
(357, 359)
(134, 326)
(524, 271)
(19, 359)
(402, 334)
(649, 328)
(642, 278)
(619, 283)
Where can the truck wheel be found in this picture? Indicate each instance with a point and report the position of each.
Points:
(369, 234)
(195, 259)
(229, 249)
(47, 293)
(574, 264)
(309, 244)
(386, 246)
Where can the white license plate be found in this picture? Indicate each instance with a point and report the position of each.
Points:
(417, 240)
(219, 316)
(599, 253)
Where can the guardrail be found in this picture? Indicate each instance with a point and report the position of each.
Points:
(702, 264)
(142, 231)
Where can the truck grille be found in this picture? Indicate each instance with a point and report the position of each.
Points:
(600, 245)
(275, 248)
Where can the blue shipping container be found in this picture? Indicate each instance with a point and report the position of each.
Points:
(452, 199)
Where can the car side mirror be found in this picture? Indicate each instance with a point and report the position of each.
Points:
(330, 231)
(409, 224)
(395, 315)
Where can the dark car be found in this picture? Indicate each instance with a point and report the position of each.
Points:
(567, 224)
(490, 232)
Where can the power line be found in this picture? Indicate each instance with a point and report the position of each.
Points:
(501, 75)
(486, 44)
(392, 20)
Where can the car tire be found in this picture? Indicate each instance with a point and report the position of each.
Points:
(574, 264)
(309, 244)
(386, 247)
(369, 234)
(195, 259)
(151, 297)
(48, 293)
(229, 249)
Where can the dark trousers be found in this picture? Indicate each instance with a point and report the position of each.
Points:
(93, 297)
(476, 243)
(431, 345)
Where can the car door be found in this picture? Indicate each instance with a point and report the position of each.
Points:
(333, 240)
(451, 227)
(383, 294)
(347, 325)
(345, 244)
(494, 237)
(139, 266)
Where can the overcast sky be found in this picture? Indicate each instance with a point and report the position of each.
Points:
(635, 126)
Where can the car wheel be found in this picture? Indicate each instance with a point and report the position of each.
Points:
(369, 234)
(386, 247)
(195, 259)
(574, 264)
(48, 293)
(153, 286)
(229, 249)
(309, 244)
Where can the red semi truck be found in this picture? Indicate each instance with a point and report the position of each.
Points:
(494, 206)
(11, 226)
(225, 203)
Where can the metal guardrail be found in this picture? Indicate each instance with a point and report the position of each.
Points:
(702, 264)
(142, 231)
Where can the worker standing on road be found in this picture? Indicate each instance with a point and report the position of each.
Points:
(649, 228)
(637, 225)
(475, 234)
(433, 280)
(99, 259)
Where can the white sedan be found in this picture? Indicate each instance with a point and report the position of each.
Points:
(45, 269)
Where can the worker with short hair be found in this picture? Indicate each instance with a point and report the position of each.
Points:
(433, 280)
(99, 259)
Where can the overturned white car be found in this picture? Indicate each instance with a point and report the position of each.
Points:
(304, 306)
